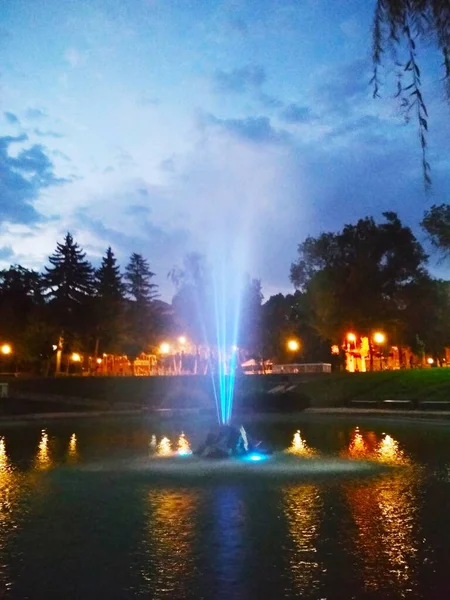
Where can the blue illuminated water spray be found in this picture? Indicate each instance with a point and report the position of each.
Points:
(227, 291)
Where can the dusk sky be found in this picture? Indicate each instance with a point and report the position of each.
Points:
(146, 124)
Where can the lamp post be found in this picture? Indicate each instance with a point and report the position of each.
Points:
(379, 338)
(293, 346)
(6, 349)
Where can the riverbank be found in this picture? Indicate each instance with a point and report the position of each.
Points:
(340, 390)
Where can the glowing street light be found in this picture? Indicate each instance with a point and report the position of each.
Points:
(75, 357)
(351, 337)
(6, 349)
(182, 340)
(99, 361)
(379, 338)
(430, 360)
(164, 348)
(293, 345)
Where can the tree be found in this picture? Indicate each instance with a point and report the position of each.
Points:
(399, 25)
(138, 280)
(24, 316)
(141, 316)
(436, 223)
(250, 334)
(193, 302)
(69, 284)
(355, 278)
(70, 278)
(109, 303)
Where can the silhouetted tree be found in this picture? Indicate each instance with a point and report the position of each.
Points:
(193, 302)
(109, 304)
(399, 27)
(355, 278)
(69, 283)
(250, 321)
(436, 223)
(141, 291)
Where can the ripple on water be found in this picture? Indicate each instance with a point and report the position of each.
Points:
(277, 465)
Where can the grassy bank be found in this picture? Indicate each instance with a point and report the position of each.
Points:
(326, 390)
(343, 388)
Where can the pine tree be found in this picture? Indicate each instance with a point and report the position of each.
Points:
(138, 277)
(70, 278)
(69, 284)
(141, 313)
(108, 280)
(109, 304)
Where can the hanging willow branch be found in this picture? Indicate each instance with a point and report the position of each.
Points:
(399, 25)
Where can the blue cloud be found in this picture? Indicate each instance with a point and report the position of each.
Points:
(51, 134)
(239, 81)
(345, 87)
(35, 114)
(22, 178)
(6, 253)
(11, 118)
(293, 113)
(269, 101)
(238, 25)
(254, 129)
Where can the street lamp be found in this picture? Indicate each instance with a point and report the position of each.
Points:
(164, 348)
(379, 338)
(75, 357)
(182, 340)
(351, 337)
(6, 349)
(293, 345)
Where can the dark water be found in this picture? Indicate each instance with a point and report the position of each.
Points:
(85, 516)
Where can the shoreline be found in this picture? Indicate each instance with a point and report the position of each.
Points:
(432, 416)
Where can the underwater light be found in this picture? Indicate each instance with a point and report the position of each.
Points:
(255, 457)
(184, 453)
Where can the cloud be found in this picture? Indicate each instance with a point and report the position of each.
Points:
(146, 100)
(24, 176)
(167, 165)
(51, 134)
(11, 118)
(237, 25)
(138, 210)
(269, 101)
(73, 57)
(6, 253)
(239, 81)
(35, 114)
(293, 113)
(254, 129)
(345, 87)
(124, 158)
(61, 155)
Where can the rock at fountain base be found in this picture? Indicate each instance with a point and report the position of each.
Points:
(226, 441)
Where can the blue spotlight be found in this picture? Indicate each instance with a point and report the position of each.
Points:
(255, 457)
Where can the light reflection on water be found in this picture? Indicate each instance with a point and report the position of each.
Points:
(302, 509)
(43, 460)
(366, 446)
(183, 536)
(385, 512)
(169, 541)
(72, 452)
(300, 447)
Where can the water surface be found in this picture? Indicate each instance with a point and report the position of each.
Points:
(84, 515)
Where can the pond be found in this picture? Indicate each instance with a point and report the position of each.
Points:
(358, 510)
